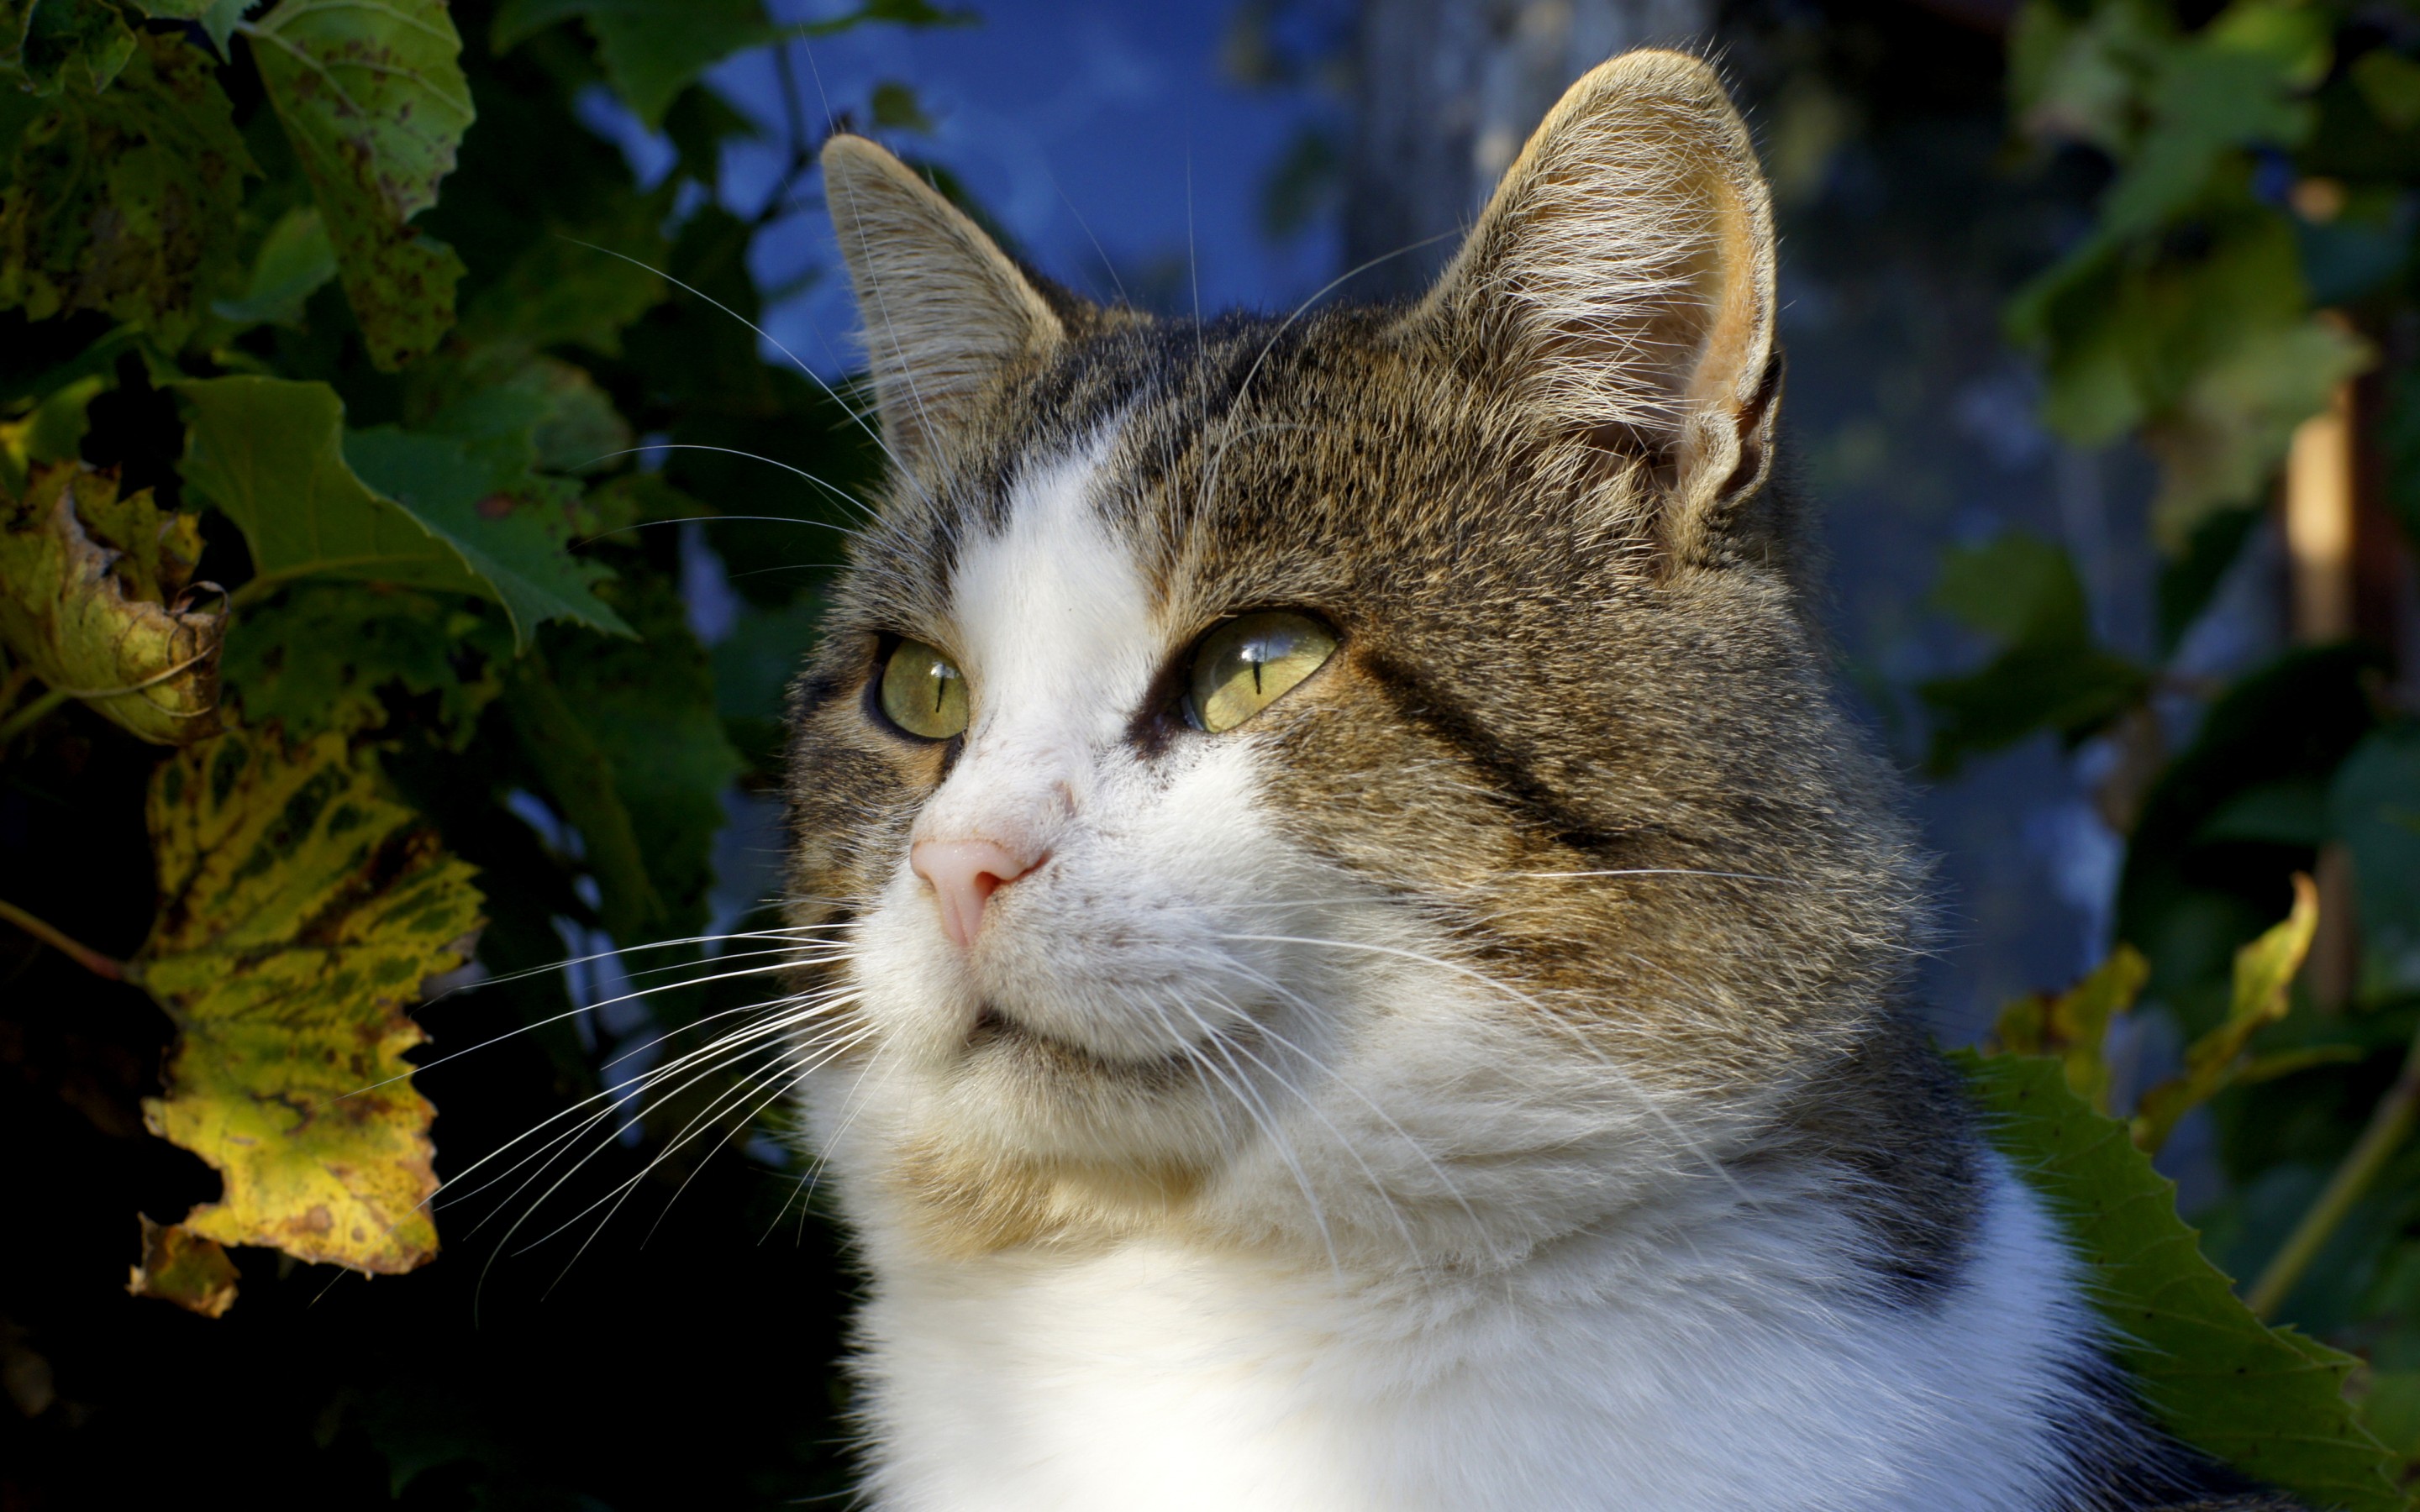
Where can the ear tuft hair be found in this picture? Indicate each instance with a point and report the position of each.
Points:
(944, 310)
(1625, 267)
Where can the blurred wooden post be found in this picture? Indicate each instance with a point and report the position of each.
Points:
(2322, 506)
(1446, 91)
(2319, 514)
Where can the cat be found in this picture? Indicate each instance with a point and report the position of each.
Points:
(1361, 964)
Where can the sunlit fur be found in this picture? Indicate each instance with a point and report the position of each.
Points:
(1484, 1078)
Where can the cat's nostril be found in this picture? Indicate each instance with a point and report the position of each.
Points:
(964, 874)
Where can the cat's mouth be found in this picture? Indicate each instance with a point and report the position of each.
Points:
(999, 1033)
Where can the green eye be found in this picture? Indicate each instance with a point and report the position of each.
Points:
(924, 692)
(1246, 663)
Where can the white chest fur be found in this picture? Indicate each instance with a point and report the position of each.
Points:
(1604, 1373)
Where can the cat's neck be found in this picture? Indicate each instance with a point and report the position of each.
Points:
(1714, 1349)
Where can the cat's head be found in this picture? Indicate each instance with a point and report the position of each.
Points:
(1357, 776)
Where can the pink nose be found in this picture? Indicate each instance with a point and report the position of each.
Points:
(964, 875)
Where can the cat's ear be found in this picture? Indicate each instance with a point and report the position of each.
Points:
(943, 310)
(1624, 275)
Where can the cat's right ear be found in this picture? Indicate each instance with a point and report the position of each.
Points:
(943, 310)
(1622, 281)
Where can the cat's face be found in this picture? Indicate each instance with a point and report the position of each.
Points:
(1339, 775)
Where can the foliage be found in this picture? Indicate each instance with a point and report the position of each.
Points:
(2048, 671)
(99, 606)
(2186, 315)
(2263, 970)
(2073, 1025)
(374, 107)
(2249, 254)
(182, 1266)
(328, 335)
(300, 909)
(126, 200)
(274, 457)
(2268, 1401)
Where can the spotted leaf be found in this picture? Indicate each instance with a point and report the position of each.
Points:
(300, 909)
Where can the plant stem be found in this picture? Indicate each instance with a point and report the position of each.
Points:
(82, 955)
(2390, 1123)
(31, 714)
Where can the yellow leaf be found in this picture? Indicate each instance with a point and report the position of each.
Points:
(2263, 970)
(2073, 1025)
(92, 591)
(180, 1265)
(300, 909)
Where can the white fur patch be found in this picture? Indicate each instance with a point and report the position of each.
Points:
(1714, 1371)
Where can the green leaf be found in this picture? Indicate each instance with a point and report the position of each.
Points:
(2289, 812)
(2390, 83)
(2223, 441)
(651, 51)
(2049, 675)
(2081, 79)
(300, 908)
(375, 104)
(2390, 1409)
(558, 418)
(326, 656)
(216, 17)
(576, 428)
(625, 741)
(56, 45)
(562, 291)
(753, 668)
(2267, 1400)
(52, 431)
(892, 12)
(897, 108)
(2233, 84)
(698, 123)
(2280, 1064)
(2074, 691)
(483, 500)
(126, 202)
(2016, 586)
(2263, 970)
(269, 454)
(89, 599)
(2216, 355)
(294, 260)
(459, 512)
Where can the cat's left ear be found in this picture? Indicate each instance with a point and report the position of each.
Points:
(1624, 272)
(946, 312)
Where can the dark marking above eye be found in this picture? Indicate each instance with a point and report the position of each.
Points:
(1512, 780)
